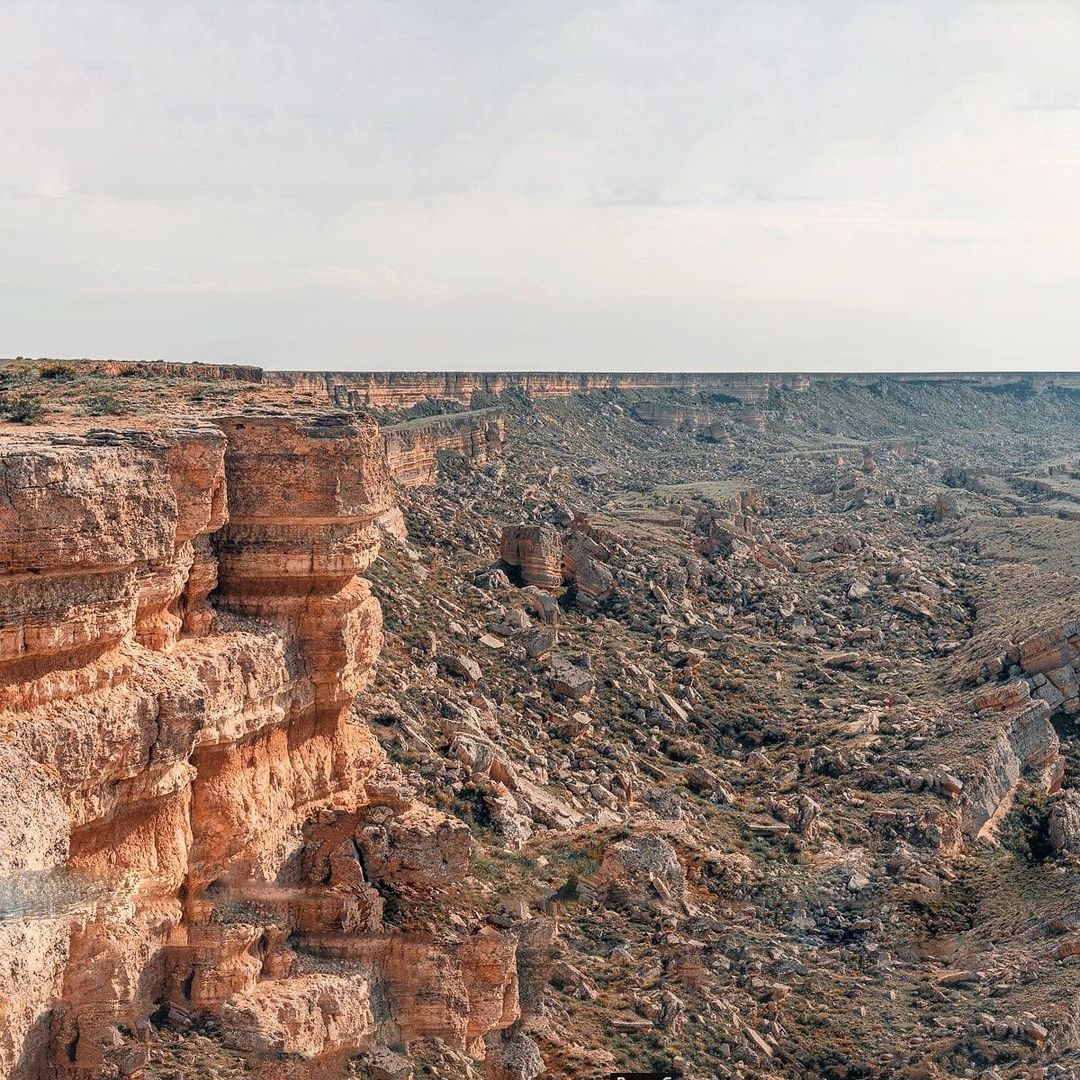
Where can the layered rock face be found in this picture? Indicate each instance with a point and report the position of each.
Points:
(1026, 744)
(1037, 677)
(584, 559)
(98, 548)
(401, 389)
(1051, 661)
(541, 557)
(674, 417)
(535, 552)
(183, 628)
(412, 448)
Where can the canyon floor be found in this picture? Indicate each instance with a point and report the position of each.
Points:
(706, 735)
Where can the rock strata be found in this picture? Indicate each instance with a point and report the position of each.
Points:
(535, 552)
(183, 630)
(413, 447)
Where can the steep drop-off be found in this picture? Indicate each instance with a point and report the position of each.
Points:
(184, 629)
(412, 447)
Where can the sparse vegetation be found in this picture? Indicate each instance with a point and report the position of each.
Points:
(22, 409)
(59, 373)
(104, 405)
(1026, 830)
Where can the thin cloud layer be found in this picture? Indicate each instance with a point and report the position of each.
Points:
(409, 184)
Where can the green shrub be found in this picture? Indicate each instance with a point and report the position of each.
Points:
(483, 399)
(57, 372)
(104, 405)
(23, 409)
(1026, 831)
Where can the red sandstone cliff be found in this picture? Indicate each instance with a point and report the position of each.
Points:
(412, 448)
(186, 802)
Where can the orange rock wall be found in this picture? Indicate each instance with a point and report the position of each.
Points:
(402, 389)
(412, 448)
(183, 628)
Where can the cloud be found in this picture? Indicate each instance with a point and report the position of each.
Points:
(566, 184)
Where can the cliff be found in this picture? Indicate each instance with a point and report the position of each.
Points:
(401, 389)
(188, 806)
(354, 390)
(412, 448)
(673, 417)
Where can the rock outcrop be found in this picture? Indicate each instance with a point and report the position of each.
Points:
(584, 566)
(535, 552)
(412, 448)
(1026, 745)
(1048, 662)
(645, 865)
(1051, 660)
(183, 628)
(672, 416)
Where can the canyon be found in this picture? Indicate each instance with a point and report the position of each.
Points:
(510, 725)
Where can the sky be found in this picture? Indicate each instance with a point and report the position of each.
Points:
(542, 184)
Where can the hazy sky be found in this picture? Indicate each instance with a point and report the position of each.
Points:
(461, 183)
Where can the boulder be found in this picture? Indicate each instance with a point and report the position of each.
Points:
(945, 508)
(569, 681)
(535, 551)
(593, 582)
(637, 859)
(463, 666)
(542, 604)
(512, 1057)
(1064, 824)
(539, 641)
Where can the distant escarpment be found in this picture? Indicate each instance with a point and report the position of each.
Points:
(401, 389)
(397, 390)
(413, 447)
(193, 826)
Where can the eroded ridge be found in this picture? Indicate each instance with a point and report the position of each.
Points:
(184, 629)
